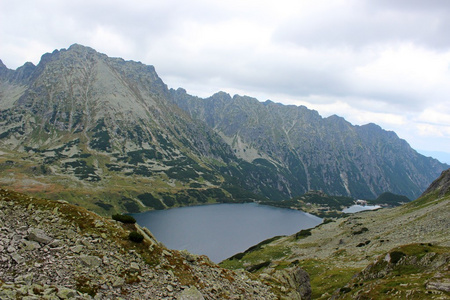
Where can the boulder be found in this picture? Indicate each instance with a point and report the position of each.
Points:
(38, 235)
(65, 293)
(91, 261)
(191, 294)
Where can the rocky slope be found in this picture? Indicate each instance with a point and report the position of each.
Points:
(400, 253)
(54, 250)
(303, 151)
(108, 134)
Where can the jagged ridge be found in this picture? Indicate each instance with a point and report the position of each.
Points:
(309, 152)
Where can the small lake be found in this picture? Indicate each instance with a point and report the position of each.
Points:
(222, 230)
(356, 208)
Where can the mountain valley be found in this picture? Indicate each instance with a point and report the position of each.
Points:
(84, 137)
(109, 135)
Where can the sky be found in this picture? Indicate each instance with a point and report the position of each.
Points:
(385, 61)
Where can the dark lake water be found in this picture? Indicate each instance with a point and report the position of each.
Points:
(222, 230)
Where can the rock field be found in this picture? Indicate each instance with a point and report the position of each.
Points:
(53, 250)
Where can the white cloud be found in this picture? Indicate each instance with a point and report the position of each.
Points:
(386, 62)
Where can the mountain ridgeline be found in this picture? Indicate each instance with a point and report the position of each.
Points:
(110, 133)
(308, 152)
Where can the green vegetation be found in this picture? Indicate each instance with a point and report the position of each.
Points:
(403, 276)
(103, 205)
(390, 199)
(317, 203)
(255, 255)
(136, 237)
(396, 256)
(326, 278)
(303, 233)
(130, 205)
(150, 201)
(124, 218)
(360, 231)
(101, 138)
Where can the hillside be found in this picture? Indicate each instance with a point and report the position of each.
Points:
(398, 253)
(109, 135)
(55, 250)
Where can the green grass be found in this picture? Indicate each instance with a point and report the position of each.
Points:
(326, 278)
(263, 254)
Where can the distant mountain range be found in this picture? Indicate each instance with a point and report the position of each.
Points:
(109, 134)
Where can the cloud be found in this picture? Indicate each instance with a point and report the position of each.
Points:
(359, 24)
(383, 61)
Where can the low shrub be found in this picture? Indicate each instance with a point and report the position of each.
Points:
(254, 268)
(124, 218)
(396, 256)
(362, 230)
(136, 237)
(303, 233)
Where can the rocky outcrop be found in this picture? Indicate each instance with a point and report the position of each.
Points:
(297, 279)
(53, 250)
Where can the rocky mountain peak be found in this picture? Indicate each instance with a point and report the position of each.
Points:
(2, 65)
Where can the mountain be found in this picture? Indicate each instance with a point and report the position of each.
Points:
(109, 135)
(309, 152)
(83, 123)
(391, 253)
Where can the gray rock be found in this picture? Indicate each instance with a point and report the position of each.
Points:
(38, 235)
(91, 261)
(17, 258)
(55, 243)
(30, 245)
(443, 285)
(191, 294)
(134, 267)
(297, 279)
(66, 293)
(8, 294)
(77, 248)
(118, 282)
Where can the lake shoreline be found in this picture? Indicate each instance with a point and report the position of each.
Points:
(222, 230)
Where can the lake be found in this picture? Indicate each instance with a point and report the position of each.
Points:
(222, 230)
(356, 208)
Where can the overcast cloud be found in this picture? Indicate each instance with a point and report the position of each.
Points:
(383, 61)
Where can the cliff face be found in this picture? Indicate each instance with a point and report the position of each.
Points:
(314, 153)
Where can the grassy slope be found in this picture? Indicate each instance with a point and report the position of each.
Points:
(336, 251)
